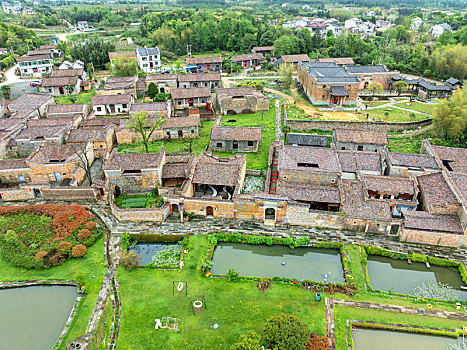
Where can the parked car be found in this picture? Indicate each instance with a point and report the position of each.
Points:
(35, 83)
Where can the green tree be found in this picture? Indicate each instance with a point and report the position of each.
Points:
(93, 50)
(286, 332)
(286, 45)
(152, 90)
(248, 341)
(70, 89)
(450, 117)
(125, 67)
(6, 91)
(374, 88)
(400, 86)
(285, 130)
(286, 73)
(145, 126)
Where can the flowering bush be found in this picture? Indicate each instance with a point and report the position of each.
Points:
(317, 342)
(39, 236)
(78, 251)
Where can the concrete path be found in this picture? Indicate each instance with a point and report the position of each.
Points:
(281, 94)
(411, 110)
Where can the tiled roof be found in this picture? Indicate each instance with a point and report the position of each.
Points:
(59, 81)
(33, 58)
(366, 69)
(28, 103)
(148, 107)
(337, 60)
(455, 157)
(39, 52)
(8, 164)
(308, 193)
(235, 133)
(64, 109)
(295, 58)
(422, 161)
(146, 51)
(247, 57)
(359, 136)
(132, 161)
(77, 72)
(83, 135)
(435, 190)
(204, 60)
(238, 92)
(33, 133)
(110, 99)
(177, 165)
(213, 170)
(47, 153)
(355, 205)
(190, 93)
(263, 48)
(307, 140)
(352, 161)
(89, 123)
(422, 220)
(389, 184)
(461, 182)
(329, 72)
(160, 77)
(45, 47)
(180, 122)
(337, 90)
(199, 77)
(296, 157)
(453, 81)
(115, 83)
(46, 122)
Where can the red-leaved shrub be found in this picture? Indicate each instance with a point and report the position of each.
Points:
(64, 246)
(78, 251)
(90, 225)
(84, 234)
(40, 255)
(317, 342)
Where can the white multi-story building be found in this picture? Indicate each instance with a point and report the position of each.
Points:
(439, 29)
(416, 23)
(35, 66)
(149, 59)
(334, 25)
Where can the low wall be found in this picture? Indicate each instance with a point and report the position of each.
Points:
(253, 172)
(70, 193)
(220, 209)
(17, 194)
(141, 214)
(431, 238)
(328, 125)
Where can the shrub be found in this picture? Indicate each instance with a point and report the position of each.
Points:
(167, 256)
(303, 241)
(40, 255)
(129, 259)
(212, 239)
(232, 275)
(288, 241)
(90, 225)
(317, 342)
(248, 341)
(255, 239)
(126, 241)
(264, 285)
(64, 246)
(286, 332)
(269, 241)
(54, 259)
(84, 234)
(206, 266)
(78, 251)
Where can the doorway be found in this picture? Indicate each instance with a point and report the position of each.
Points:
(61, 90)
(174, 208)
(58, 177)
(209, 211)
(235, 145)
(180, 133)
(270, 214)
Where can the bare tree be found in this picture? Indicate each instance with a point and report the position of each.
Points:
(145, 126)
(85, 161)
(188, 143)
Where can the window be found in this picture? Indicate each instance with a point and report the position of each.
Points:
(324, 86)
(124, 105)
(21, 178)
(343, 148)
(192, 131)
(219, 145)
(99, 109)
(308, 165)
(323, 96)
(250, 143)
(360, 148)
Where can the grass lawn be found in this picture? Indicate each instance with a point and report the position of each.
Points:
(418, 106)
(375, 103)
(342, 314)
(394, 115)
(91, 265)
(82, 97)
(235, 306)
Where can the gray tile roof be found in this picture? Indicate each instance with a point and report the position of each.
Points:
(110, 100)
(238, 92)
(247, 57)
(146, 51)
(361, 136)
(204, 60)
(308, 193)
(28, 103)
(389, 184)
(190, 93)
(456, 158)
(47, 153)
(422, 220)
(133, 161)
(67, 72)
(292, 158)
(214, 170)
(67, 108)
(199, 77)
(307, 140)
(180, 122)
(233, 133)
(338, 91)
(436, 190)
(149, 107)
(59, 81)
(366, 69)
(421, 161)
(352, 161)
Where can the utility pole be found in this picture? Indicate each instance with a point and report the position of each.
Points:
(188, 50)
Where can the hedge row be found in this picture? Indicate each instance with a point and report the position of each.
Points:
(148, 237)
(407, 329)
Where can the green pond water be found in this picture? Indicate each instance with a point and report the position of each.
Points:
(266, 261)
(146, 250)
(370, 339)
(400, 276)
(33, 317)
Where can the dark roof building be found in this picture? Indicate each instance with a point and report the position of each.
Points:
(297, 139)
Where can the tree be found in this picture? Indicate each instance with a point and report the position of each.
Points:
(93, 50)
(286, 332)
(285, 130)
(145, 126)
(450, 117)
(188, 143)
(400, 86)
(70, 89)
(248, 341)
(286, 73)
(125, 67)
(152, 90)
(6, 91)
(374, 88)
(85, 159)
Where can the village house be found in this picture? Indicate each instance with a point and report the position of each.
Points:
(61, 85)
(292, 59)
(133, 172)
(210, 80)
(438, 29)
(83, 26)
(358, 140)
(204, 64)
(237, 139)
(298, 139)
(382, 25)
(76, 111)
(263, 50)
(429, 91)
(164, 82)
(354, 163)
(40, 52)
(194, 97)
(181, 127)
(111, 104)
(103, 139)
(371, 74)
(58, 164)
(162, 109)
(30, 105)
(327, 83)
(56, 52)
(118, 85)
(340, 61)
(149, 59)
(453, 160)
(454, 83)
(416, 23)
(176, 169)
(317, 28)
(34, 66)
(9, 128)
(121, 55)
(241, 100)
(406, 164)
(13, 172)
(245, 61)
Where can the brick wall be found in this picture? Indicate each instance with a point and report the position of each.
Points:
(243, 105)
(227, 145)
(381, 78)
(354, 146)
(11, 176)
(430, 237)
(17, 194)
(221, 209)
(141, 214)
(70, 193)
(41, 173)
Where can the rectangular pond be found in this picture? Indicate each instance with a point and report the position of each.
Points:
(371, 339)
(400, 276)
(321, 265)
(146, 250)
(33, 317)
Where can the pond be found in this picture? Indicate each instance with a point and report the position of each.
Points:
(370, 339)
(267, 261)
(400, 276)
(33, 317)
(146, 250)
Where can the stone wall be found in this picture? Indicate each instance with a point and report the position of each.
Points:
(141, 214)
(308, 176)
(41, 173)
(306, 125)
(354, 146)
(17, 194)
(243, 105)
(430, 237)
(368, 78)
(11, 176)
(221, 209)
(70, 193)
(227, 145)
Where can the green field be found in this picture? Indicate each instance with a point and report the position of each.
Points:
(82, 97)
(418, 106)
